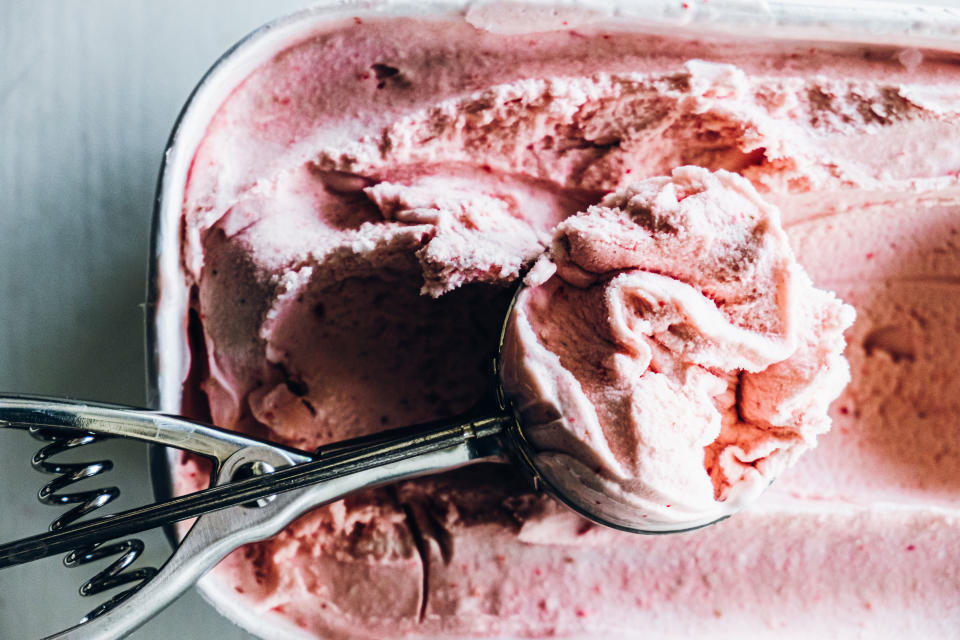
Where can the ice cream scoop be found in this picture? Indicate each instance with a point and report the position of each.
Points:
(655, 371)
(257, 488)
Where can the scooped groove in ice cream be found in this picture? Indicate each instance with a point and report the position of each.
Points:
(671, 357)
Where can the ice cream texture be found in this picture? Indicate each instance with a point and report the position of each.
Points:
(670, 357)
(353, 221)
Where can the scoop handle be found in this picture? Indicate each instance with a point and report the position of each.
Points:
(349, 467)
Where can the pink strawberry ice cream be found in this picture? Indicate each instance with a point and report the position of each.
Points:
(671, 357)
(353, 223)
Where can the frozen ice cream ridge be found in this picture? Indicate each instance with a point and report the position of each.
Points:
(670, 357)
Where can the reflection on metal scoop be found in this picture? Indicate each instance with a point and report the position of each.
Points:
(257, 488)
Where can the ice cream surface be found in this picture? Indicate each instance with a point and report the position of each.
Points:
(670, 358)
(353, 222)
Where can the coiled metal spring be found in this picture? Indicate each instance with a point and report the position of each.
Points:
(86, 502)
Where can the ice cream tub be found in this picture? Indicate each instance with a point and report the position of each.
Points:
(843, 116)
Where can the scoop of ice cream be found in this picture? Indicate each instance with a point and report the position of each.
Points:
(670, 357)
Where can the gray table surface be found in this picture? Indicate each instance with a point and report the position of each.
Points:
(88, 94)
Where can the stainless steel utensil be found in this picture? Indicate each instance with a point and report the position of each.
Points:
(256, 489)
